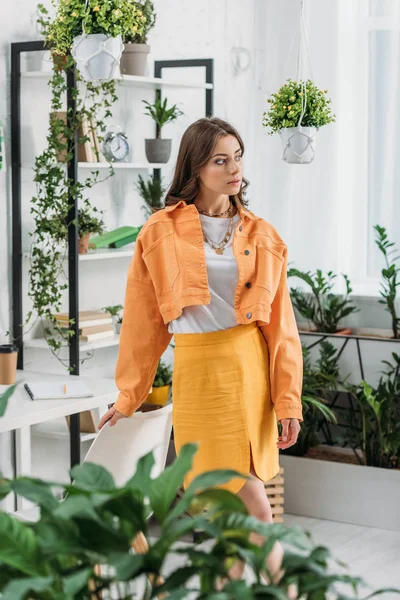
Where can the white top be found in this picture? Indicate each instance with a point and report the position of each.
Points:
(222, 273)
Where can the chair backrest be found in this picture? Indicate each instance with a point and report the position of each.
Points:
(118, 448)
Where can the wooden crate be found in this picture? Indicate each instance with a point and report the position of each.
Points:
(274, 489)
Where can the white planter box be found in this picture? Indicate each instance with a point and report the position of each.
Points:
(367, 496)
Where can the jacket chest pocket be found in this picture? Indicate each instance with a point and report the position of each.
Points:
(269, 265)
(162, 263)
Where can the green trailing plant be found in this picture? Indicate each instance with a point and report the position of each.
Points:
(320, 382)
(111, 17)
(390, 277)
(322, 307)
(80, 548)
(140, 37)
(161, 114)
(152, 192)
(87, 223)
(373, 425)
(286, 107)
(54, 191)
(163, 374)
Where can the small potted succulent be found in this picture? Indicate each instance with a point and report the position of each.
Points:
(88, 223)
(136, 48)
(92, 31)
(115, 311)
(161, 384)
(158, 150)
(298, 110)
(152, 192)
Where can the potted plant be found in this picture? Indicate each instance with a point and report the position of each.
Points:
(298, 110)
(152, 192)
(88, 223)
(158, 150)
(115, 311)
(92, 31)
(81, 546)
(161, 384)
(322, 307)
(136, 49)
(390, 278)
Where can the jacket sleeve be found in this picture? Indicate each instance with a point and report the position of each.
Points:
(143, 339)
(285, 353)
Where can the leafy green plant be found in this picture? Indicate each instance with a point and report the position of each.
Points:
(113, 310)
(374, 425)
(322, 307)
(87, 223)
(111, 17)
(163, 374)
(320, 382)
(287, 105)
(140, 37)
(161, 115)
(4, 398)
(152, 192)
(54, 189)
(389, 274)
(59, 556)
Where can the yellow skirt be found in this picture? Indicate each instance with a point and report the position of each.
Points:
(221, 399)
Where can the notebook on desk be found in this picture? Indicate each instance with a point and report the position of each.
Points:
(52, 390)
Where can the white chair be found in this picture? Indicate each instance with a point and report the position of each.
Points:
(119, 448)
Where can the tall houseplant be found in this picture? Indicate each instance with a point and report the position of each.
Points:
(297, 111)
(136, 48)
(390, 277)
(92, 31)
(322, 307)
(159, 150)
(152, 192)
(88, 223)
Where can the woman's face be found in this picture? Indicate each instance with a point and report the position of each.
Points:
(223, 167)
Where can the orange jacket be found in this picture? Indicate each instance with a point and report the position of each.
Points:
(168, 272)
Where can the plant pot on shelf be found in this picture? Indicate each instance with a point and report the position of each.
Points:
(59, 59)
(158, 395)
(97, 56)
(134, 59)
(298, 144)
(117, 327)
(158, 150)
(83, 243)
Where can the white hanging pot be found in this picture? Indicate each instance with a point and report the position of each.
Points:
(298, 144)
(97, 56)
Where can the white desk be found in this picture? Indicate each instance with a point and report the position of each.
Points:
(22, 412)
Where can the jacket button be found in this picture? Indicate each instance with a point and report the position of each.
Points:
(240, 228)
(248, 315)
(248, 284)
(247, 251)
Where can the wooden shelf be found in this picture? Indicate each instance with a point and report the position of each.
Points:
(41, 344)
(153, 83)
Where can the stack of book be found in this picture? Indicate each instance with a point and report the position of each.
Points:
(90, 151)
(93, 324)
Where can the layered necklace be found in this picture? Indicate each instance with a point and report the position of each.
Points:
(219, 247)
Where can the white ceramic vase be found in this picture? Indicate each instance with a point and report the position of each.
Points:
(298, 144)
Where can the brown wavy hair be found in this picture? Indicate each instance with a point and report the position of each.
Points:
(195, 150)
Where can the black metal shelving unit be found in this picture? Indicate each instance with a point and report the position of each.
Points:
(73, 257)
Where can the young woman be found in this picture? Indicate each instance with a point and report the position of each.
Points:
(212, 274)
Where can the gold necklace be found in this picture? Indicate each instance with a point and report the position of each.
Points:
(219, 247)
(227, 211)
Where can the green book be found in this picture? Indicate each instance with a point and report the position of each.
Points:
(115, 238)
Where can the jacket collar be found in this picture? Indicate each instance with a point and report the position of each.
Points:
(241, 209)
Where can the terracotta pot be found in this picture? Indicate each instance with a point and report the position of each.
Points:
(83, 244)
(59, 59)
(159, 395)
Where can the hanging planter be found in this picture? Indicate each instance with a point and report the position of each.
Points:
(92, 31)
(97, 56)
(298, 110)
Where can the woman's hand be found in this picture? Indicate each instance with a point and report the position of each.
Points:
(111, 416)
(290, 432)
